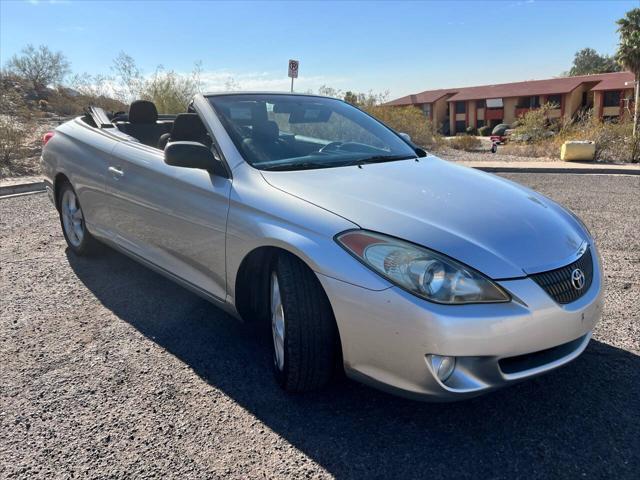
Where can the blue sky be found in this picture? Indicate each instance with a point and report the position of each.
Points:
(403, 47)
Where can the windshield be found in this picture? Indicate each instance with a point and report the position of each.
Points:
(293, 132)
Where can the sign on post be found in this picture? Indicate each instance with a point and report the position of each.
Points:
(293, 71)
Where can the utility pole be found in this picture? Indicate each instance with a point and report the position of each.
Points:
(636, 88)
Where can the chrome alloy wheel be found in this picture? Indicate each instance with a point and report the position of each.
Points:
(277, 322)
(72, 218)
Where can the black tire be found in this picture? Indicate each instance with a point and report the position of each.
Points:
(88, 245)
(311, 344)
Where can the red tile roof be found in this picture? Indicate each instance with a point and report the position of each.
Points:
(610, 81)
(615, 82)
(428, 96)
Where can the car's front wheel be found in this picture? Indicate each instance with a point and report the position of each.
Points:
(73, 223)
(304, 332)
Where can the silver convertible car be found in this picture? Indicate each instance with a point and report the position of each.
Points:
(364, 253)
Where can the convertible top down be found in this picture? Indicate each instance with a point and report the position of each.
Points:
(363, 252)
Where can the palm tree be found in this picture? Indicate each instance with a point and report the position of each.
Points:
(628, 54)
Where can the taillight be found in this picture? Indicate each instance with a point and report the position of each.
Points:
(47, 136)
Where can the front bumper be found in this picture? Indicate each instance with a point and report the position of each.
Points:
(387, 336)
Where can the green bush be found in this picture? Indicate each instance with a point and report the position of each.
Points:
(485, 131)
(470, 131)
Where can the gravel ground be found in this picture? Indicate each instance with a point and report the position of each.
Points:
(486, 156)
(110, 371)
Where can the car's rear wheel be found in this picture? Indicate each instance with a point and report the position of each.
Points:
(73, 223)
(304, 332)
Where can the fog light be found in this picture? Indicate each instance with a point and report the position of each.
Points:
(443, 366)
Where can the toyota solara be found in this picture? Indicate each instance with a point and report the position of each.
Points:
(364, 253)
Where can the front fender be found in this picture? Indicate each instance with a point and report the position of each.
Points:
(263, 216)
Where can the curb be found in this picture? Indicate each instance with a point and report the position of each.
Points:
(20, 188)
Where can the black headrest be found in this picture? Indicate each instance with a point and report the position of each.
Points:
(265, 130)
(143, 111)
(188, 127)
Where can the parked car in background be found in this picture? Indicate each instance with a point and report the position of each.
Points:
(410, 273)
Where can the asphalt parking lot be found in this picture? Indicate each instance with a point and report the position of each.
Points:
(110, 371)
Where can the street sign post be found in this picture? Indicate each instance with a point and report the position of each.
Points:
(293, 71)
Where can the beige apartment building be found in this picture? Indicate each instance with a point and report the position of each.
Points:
(452, 110)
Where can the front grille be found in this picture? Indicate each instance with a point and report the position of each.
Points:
(557, 283)
(528, 361)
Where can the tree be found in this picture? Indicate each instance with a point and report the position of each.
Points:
(40, 66)
(628, 54)
(587, 62)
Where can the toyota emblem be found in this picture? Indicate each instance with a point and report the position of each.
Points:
(577, 279)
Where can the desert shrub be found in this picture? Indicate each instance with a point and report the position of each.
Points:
(409, 120)
(614, 141)
(470, 131)
(484, 131)
(535, 124)
(171, 92)
(12, 136)
(465, 142)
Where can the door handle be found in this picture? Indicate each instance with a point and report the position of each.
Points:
(115, 172)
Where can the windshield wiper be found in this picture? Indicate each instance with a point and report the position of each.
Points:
(377, 159)
(314, 165)
(296, 166)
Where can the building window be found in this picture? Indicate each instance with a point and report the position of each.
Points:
(529, 102)
(461, 107)
(479, 123)
(461, 126)
(612, 98)
(426, 108)
(479, 103)
(555, 99)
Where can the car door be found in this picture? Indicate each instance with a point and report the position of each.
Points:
(173, 217)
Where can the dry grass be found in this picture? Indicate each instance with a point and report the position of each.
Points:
(12, 139)
(465, 142)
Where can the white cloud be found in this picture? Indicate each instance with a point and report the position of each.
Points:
(220, 80)
(48, 2)
(522, 3)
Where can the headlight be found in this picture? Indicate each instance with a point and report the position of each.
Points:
(424, 273)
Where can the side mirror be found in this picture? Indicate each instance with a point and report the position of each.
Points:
(420, 152)
(192, 155)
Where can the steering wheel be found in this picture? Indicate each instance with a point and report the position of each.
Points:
(330, 146)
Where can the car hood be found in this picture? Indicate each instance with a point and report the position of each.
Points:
(496, 226)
